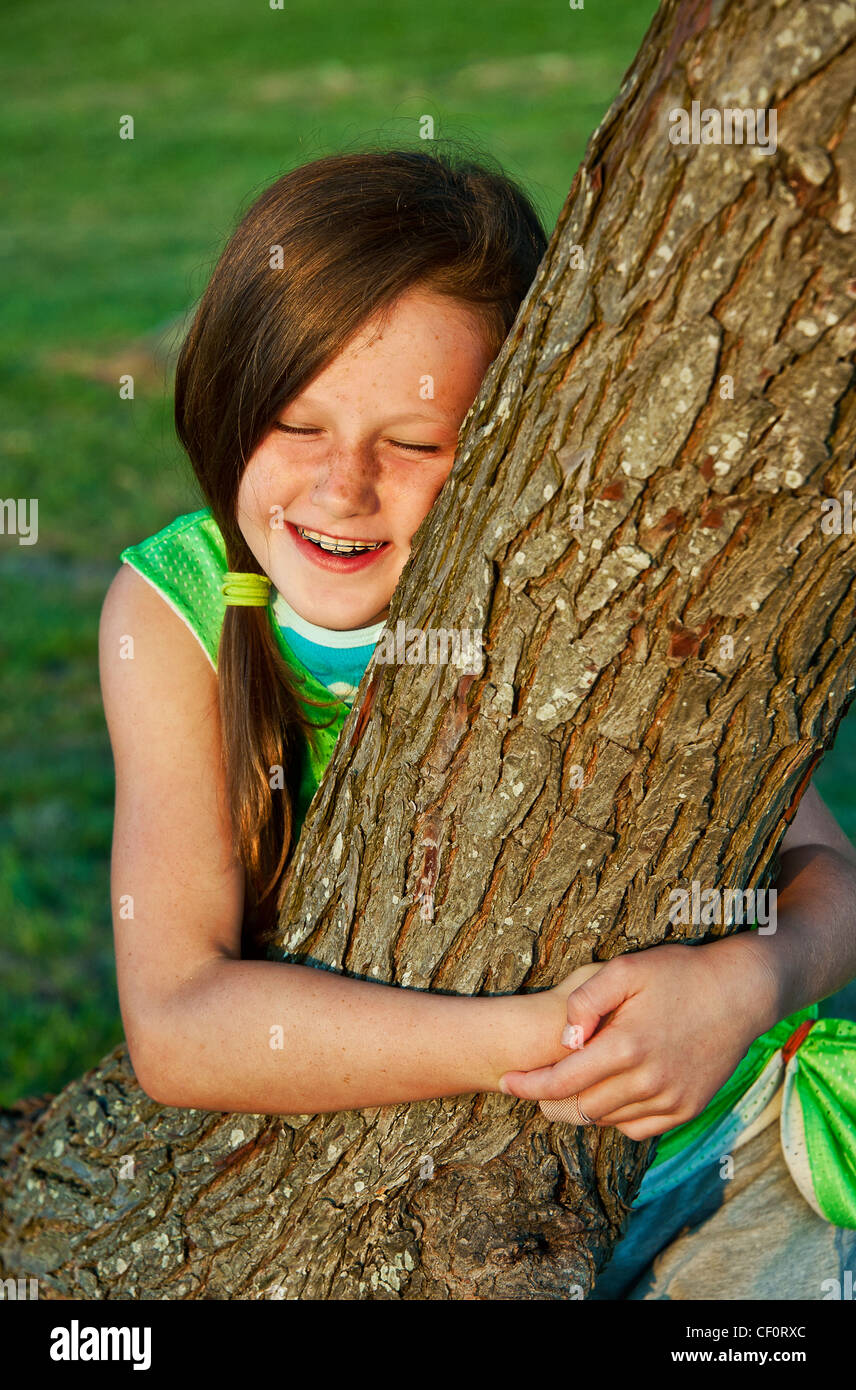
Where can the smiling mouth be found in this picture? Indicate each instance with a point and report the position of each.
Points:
(337, 546)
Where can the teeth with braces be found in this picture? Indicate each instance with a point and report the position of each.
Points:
(337, 547)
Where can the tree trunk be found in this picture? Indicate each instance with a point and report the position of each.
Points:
(659, 683)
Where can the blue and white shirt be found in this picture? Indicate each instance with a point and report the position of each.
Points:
(337, 659)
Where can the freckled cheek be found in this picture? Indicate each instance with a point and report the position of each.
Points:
(252, 513)
(405, 518)
(267, 482)
(407, 502)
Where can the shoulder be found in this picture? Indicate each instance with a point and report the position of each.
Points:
(138, 633)
(158, 690)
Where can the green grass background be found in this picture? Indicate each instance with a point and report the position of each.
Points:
(103, 242)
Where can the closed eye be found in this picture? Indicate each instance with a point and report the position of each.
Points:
(418, 448)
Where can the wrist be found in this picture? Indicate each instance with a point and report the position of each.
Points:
(752, 980)
(520, 1037)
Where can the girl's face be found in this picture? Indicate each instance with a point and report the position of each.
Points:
(360, 455)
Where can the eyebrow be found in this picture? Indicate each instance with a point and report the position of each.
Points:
(309, 403)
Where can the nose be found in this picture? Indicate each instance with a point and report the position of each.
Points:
(345, 484)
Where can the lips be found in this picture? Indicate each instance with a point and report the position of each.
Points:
(337, 545)
(337, 554)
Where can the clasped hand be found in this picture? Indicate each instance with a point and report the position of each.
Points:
(653, 1036)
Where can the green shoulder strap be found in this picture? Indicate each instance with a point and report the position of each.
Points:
(186, 562)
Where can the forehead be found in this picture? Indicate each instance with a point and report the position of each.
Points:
(423, 359)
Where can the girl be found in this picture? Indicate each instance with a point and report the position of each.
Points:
(348, 282)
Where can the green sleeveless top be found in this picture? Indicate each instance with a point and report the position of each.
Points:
(186, 562)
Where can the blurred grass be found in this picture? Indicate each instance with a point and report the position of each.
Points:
(104, 241)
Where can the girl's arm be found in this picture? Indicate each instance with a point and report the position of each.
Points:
(812, 953)
(683, 1016)
(206, 1029)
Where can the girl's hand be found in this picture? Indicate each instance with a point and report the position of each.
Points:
(534, 1029)
(655, 1034)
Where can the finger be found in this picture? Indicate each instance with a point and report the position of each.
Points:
(612, 1053)
(602, 1060)
(619, 1096)
(591, 1104)
(638, 1110)
(644, 1127)
(552, 1083)
(648, 1128)
(600, 995)
(630, 1113)
(568, 1112)
(543, 1083)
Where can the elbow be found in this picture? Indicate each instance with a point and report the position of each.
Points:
(157, 1074)
(162, 1034)
(158, 1089)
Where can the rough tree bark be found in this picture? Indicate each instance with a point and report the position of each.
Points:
(605, 645)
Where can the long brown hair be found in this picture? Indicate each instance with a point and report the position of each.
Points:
(356, 230)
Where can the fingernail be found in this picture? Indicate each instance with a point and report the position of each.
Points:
(503, 1087)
